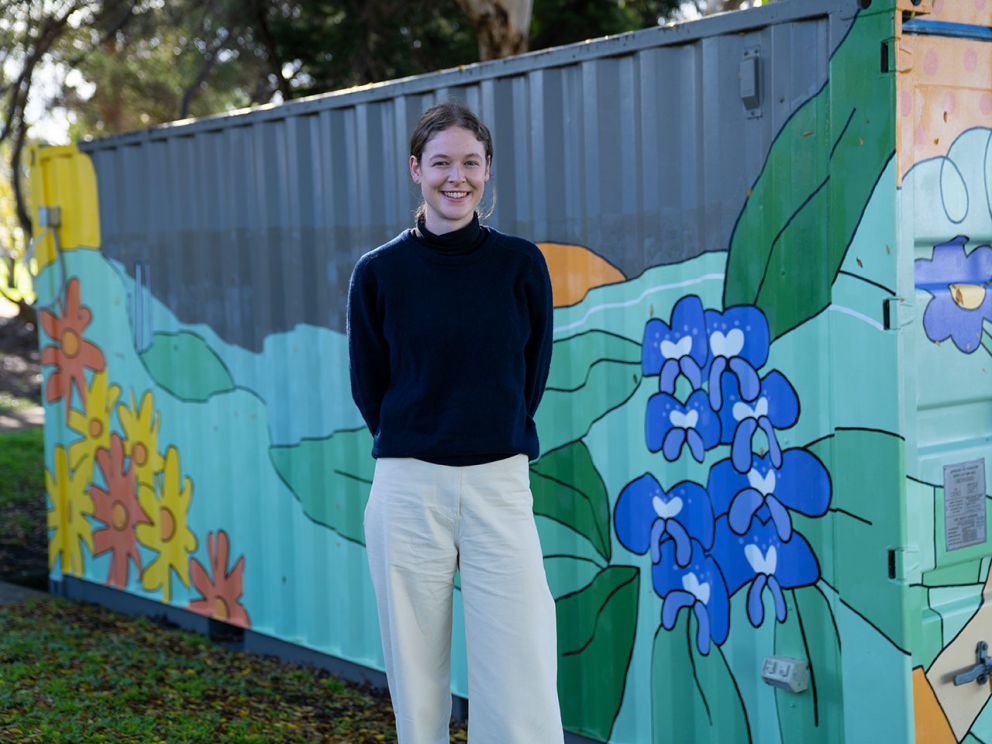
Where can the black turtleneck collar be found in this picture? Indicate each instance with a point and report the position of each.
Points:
(463, 240)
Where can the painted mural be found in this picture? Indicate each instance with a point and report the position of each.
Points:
(726, 472)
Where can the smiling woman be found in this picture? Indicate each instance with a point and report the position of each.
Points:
(449, 330)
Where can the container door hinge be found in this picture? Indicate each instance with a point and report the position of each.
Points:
(896, 313)
(749, 73)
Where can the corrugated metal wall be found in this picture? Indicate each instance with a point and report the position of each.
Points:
(637, 147)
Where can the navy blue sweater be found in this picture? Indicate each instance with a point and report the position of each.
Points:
(450, 349)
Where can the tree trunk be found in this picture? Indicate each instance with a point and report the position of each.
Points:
(502, 26)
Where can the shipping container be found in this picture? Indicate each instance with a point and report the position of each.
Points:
(766, 440)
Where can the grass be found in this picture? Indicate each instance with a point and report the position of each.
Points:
(22, 457)
(72, 672)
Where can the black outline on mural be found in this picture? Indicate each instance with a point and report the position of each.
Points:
(850, 118)
(846, 513)
(588, 331)
(220, 361)
(296, 495)
(737, 689)
(599, 534)
(690, 645)
(944, 160)
(589, 374)
(771, 249)
(809, 658)
(866, 280)
(635, 576)
(575, 558)
(833, 617)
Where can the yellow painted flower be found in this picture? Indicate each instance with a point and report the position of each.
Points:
(168, 532)
(141, 437)
(94, 422)
(71, 503)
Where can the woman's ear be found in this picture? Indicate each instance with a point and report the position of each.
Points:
(415, 169)
(489, 162)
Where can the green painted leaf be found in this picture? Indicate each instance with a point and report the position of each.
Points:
(693, 697)
(591, 374)
(186, 366)
(816, 714)
(568, 488)
(864, 517)
(331, 477)
(804, 209)
(596, 628)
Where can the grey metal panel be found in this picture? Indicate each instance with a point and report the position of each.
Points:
(637, 147)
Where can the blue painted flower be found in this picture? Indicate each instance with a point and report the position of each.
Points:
(801, 484)
(676, 349)
(699, 586)
(738, 345)
(765, 561)
(775, 407)
(961, 285)
(646, 516)
(670, 424)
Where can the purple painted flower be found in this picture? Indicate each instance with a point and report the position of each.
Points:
(698, 586)
(801, 484)
(670, 424)
(961, 285)
(676, 349)
(646, 516)
(738, 345)
(765, 561)
(775, 407)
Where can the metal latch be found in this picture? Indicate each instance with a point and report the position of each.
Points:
(981, 671)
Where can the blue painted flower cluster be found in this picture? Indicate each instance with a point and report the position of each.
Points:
(708, 542)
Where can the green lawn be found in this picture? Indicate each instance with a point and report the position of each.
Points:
(22, 457)
(72, 672)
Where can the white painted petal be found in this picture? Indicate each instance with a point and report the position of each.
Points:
(728, 345)
(764, 485)
(678, 350)
(742, 411)
(761, 407)
(700, 591)
(667, 509)
(762, 564)
(685, 420)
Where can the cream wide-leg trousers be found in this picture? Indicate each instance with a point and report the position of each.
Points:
(424, 520)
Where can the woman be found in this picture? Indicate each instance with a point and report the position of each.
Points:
(449, 330)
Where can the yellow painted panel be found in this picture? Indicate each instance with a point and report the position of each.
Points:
(64, 177)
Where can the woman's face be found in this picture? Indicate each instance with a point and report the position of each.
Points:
(452, 173)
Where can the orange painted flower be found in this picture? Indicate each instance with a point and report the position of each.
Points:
(220, 596)
(71, 354)
(119, 509)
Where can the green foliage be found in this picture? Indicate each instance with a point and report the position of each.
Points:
(596, 627)
(568, 488)
(557, 22)
(694, 697)
(331, 477)
(200, 374)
